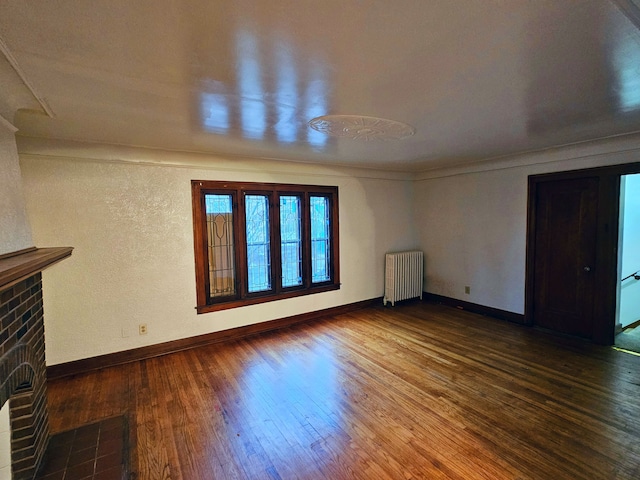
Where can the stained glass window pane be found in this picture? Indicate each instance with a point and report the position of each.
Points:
(220, 249)
(290, 241)
(258, 243)
(320, 240)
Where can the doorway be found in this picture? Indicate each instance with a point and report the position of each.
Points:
(572, 274)
(565, 242)
(628, 305)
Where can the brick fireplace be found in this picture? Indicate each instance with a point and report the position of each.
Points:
(23, 376)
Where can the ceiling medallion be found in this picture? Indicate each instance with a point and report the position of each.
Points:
(361, 128)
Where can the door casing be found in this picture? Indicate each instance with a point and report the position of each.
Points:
(606, 261)
(566, 225)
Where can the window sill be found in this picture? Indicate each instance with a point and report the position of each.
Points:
(215, 307)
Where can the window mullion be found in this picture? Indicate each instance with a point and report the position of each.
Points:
(271, 236)
(277, 244)
(274, 233)
(241, 251)
(306, 241)
(235, 227)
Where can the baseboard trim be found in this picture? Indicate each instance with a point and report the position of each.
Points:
(128, 356)
(476, 308)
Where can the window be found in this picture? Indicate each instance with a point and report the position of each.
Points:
(258, 242)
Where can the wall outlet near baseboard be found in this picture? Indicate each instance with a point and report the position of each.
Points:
(142, 329)
(467, 290)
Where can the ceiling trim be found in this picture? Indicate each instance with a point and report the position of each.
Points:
(23, 76)
(40, 148)
(606, 151)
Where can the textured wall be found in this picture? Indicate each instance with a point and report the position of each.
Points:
(473, 232)
(472, 222)
(15, 232)
(131, 229)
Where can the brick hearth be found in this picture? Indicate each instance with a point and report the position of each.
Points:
(23, 373)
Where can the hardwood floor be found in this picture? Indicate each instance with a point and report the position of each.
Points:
(410, 392)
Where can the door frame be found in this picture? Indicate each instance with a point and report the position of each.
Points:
(606, 265)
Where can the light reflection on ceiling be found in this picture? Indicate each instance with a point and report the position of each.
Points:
(315, 107)
(250, 110)
(478, 81)
(626, 67)
(286, 96)
(215, 112)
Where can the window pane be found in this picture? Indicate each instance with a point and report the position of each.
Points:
(320, 240)
(291, 241)
(220, 249)
(236, 264)
(258, 243)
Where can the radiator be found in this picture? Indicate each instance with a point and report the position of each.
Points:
(403, 276)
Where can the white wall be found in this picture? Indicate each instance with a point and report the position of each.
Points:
(133, 261)
(15, 234)
(472, 230)
(127, 212)
(5, 443)
(15, 231)
(630, 260)
(472, 220)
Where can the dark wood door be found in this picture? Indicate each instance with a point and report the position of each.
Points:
(565, 255)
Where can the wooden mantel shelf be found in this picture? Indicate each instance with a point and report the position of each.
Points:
(17, 266)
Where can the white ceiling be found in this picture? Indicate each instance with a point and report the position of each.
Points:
(476, 79)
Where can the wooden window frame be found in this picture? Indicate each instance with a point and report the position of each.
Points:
(238, 190)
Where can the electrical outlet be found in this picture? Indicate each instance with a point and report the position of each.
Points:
(467, 290)
(142, 329)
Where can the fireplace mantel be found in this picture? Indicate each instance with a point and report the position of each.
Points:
(23, 372)
(17, 266)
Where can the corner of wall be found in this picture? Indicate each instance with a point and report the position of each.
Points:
(15, 230)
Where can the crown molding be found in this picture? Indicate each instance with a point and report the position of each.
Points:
(25, 80)
(50, 149)
(605, 151)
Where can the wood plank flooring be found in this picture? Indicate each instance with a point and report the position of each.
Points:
(418, 391)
